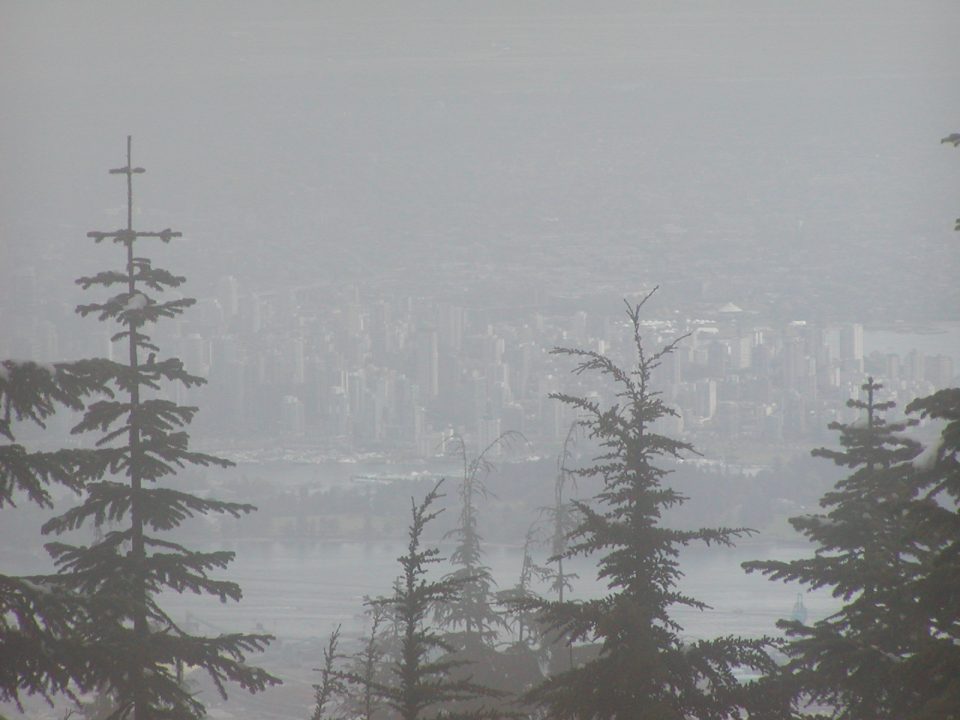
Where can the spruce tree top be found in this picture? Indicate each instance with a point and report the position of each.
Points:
(135, 646)
(868, 550)
(643, 669)
(426, 675)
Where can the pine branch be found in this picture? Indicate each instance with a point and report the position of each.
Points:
(133, 647)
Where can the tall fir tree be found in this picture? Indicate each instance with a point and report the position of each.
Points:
(368, 666)
(517, 599)
(869, 551)
(642, 669)
(562, 515)
(563, 521)
(424, 678)
(933, 667)
(331, 686)
(471, 618)
(39, 652)
(141, 648)
(518, 667)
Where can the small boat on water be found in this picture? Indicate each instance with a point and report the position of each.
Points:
(799, 610)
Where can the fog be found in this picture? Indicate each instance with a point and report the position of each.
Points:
(296, 142)
(392, 211)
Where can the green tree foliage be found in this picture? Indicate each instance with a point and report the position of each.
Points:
(421, 682)
(563, 521)
(331, 685)
(350, 684)
(517, 668)
(872, 546)
(139, 648)
(470, 617)
(31, 392)
(642, 669)
(562, 515)
(933, 668)
(38, 653)
(366, 665)
(517, 599)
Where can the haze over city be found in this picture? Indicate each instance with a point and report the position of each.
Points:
(393, 214)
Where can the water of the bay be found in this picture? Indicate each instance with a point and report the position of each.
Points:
(299, 591)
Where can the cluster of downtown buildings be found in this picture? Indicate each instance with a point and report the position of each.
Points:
(348, 371)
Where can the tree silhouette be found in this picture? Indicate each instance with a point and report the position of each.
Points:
(367, 665)
(470, 617)
(421, 685)
(331, 683)
(869, 553)
(39, 652)
(136, 647)
(642, 669)
(517, 598)
(932, 670)
(563, 521)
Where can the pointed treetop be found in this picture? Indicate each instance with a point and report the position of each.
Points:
(128, 235)
(128, 170)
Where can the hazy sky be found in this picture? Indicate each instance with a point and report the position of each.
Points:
(292, 140)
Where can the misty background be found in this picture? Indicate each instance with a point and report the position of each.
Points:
(786, 153)
(347, 172)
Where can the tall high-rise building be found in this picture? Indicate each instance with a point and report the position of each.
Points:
(228, 293)
(427, 362)
(451, 321)
(793, 364)
(195, 351)
(851, 345)
(914, 365)
(292, 415)
(938, 369)
(706, 398)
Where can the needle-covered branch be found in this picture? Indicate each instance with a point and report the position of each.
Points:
(39, 652)
(641, 669)
(143, 439)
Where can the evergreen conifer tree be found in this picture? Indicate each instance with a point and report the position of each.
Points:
(350, 685)
(140, 649)
(643, 669)
(932, 669)
(517, 599)
(331, 685)
(39, 653)
(563, 521)
(421, 685)
(366, 665)
(518, 667)
(870, 550)
(470, 617)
